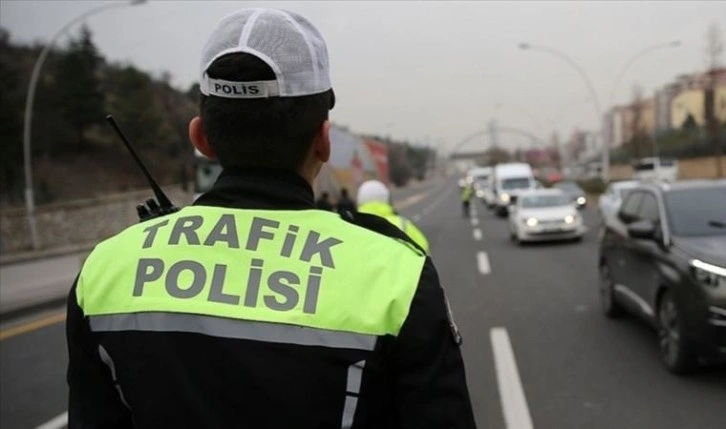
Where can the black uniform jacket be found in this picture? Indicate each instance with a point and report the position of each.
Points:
(152, 380)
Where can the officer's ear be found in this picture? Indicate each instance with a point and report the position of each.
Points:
(199, 139)
(321, 143)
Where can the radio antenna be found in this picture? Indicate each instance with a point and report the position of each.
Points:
(164, 201)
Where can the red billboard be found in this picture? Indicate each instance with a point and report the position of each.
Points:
(379, 153)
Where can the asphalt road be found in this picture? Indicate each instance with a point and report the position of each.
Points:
(537, 349)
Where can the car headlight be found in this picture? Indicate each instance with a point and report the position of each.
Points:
(707, 274)
(531, 222)
(505, 197)
(569, 219)
(581, 201)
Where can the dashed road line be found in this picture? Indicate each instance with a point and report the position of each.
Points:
(511, 393)
(435, 203)
(483, 262)
(58, 422)
(477, 234)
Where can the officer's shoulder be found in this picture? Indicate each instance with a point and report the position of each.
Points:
(381, 226)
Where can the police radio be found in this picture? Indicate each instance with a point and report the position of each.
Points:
(151, 208)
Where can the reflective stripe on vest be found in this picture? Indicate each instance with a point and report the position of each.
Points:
(231, 328)
(305, 268)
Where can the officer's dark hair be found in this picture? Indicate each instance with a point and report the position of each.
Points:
(274, 132)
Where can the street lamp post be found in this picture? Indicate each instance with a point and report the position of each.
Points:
(626, 67)
(30, 97)
(636, 57)
(593, 95)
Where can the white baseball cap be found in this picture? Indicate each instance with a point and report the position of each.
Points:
(373, 190)
(292, 47)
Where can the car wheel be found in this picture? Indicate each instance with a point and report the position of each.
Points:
(610, 305)
(677, 351)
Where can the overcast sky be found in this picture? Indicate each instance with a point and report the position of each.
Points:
(429, 69)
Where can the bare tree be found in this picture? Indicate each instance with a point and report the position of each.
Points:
(714, 46)
(637, 134)
(714, 49)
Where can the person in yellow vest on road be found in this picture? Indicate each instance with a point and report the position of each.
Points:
(466, 194)
(375, 198)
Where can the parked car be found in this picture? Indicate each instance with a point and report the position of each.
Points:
(611, 199)
(508, 181)
(573, 191)
(663, 257)
(544, 214)
(665, 169)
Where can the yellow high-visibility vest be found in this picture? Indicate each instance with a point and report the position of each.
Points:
(306, 268)
(386, 211)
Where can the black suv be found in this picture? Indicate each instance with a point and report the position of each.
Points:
(663, 257)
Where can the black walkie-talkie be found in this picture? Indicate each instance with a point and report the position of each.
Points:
(150, 208)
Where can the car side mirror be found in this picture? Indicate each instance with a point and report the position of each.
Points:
(643, 229)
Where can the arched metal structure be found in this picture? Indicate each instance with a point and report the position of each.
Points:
(486, 131)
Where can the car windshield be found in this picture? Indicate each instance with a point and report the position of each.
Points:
(697, 212)
(516, 183)
(541, 201)
(483, 181)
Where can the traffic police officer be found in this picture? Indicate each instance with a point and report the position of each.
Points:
(375, 198)
(250, 308)
(467, 193)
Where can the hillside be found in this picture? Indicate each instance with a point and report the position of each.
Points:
(75, 153)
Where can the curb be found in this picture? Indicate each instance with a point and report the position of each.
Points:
(16, 258)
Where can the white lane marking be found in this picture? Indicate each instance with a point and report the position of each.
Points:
(477, 234)
(511, 393)
(483, 262)
(411, 200)
(56, 423)
(474, 221)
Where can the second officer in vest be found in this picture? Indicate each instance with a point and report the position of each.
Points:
(375, 198)
(251, 308)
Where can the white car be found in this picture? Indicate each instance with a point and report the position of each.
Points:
(611, 199)
(664, 169)
(545, 214)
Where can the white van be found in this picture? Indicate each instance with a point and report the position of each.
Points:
(665, 169)
(480, 179)
(508, 181)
